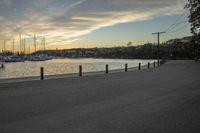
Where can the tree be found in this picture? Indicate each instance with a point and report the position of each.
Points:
(129, 44)
(194, 19)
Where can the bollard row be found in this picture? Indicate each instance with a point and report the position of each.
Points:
(106, 69)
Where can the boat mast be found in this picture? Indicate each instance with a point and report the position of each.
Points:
(24, 46)
(44, 44)
(35, 42)
(20, 43)
(13, 46)
(4, 46)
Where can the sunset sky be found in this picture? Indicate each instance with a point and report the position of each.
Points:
(90, 23)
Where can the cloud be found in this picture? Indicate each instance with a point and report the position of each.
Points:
(40, 2)
(76, 3)
(1, 18)
(6, 2)
(66, 21)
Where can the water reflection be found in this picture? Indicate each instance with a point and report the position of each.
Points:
(64, 66)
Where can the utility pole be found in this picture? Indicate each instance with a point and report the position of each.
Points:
(158, 46)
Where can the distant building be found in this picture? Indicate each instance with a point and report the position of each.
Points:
(180, 40)
(186, 39)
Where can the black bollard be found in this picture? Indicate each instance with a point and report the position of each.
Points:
(154, 64)
(139, 66)
(80, 71)
(106, 68)
(158, 63)
(2, 65)
(41, 73)
(126, 67)
(148, 65)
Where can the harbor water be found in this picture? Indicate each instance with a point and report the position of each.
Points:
(64, 66)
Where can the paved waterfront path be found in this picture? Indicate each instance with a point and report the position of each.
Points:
(160, 100)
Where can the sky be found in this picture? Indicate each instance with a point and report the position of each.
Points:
(90, 23)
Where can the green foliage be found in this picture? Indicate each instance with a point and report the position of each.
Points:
(194, 19)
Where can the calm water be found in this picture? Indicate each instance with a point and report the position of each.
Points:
(64, 66)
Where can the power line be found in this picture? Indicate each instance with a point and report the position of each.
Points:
(177, 25)
(182, 22)
(179, 29)
(177, 22)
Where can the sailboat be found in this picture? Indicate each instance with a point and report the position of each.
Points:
(14, 58)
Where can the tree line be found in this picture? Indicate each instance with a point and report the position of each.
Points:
(175, 50)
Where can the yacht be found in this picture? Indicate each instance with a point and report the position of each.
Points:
(41, 57)
(12, 59)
